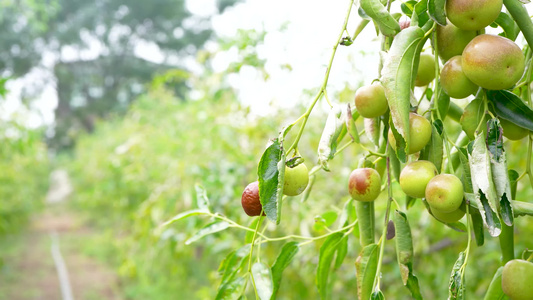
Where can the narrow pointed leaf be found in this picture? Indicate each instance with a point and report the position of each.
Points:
(495, 291)
(285, 257)
(397, 77)
(509, 26)
(335, 125)
(436, 11)
(366, 267)
(209, 229)
(271, 168)
(521, 208)
(341, 252)
(327, 252)
(511, 108)
(185, 214)
(377, 11)
(457, 284)
(263, 280)
(372, 129)
(231, 290)
(201, 198)
(350, 123)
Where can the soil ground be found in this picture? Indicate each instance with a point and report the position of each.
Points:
(28, 272)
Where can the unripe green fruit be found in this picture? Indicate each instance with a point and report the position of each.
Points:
(512, 131)
(493, 62)
(364, 184)
(448, 217)
(454, 81)
(517, 279)
(451, 40)
(370, 101)
(445, 192)
(419, 133)
(415, 177)
(473, 14)
(250, 200)
(296, 180)
(426, 70)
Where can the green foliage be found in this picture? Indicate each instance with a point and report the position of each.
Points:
(24, 176)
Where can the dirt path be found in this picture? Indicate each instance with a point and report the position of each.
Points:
(29, 272)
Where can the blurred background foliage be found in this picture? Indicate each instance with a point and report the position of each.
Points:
(141, 144)
(24, 176)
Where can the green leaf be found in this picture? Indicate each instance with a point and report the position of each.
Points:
(511, 108)
(350, 123)
(366, 267)
(397, 78)
(477, 223)
(404, 244)
(408, 7)
(372, 129)
(473, 114)
(331, 136)
(435, 147)
(285, 257)
(467, 178)
(409, 201)
(377, 295)
(185, 214)
(405, 254)
(270, 169)
(232, 263)
(495, 292)
(209, 229)
(500, 175)
(341, 252)
(231, 290)
(443, 104)
(201, 198)
(513, 181)
(420, 16)
(377, 11)
(263, 280)
(327, 251)
(457, 282)
(436, 11)
(495, 139)
(483, 186)
(509, 26)
(521, 208)
(394, 164)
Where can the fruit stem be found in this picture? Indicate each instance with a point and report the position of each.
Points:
(322, 90)
(521, 16)
(507, 243)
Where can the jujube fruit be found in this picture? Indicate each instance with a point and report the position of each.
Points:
(415, 177)
(451, 40)
(426, 70)
(364, 184)
(454, 81)
(517, 279)
(296, 180)
(473, 14)
(512, 131)
(370, 100)
(250, 200)
(448, 217)
(419, 133)
(493, 62)
(445, 193)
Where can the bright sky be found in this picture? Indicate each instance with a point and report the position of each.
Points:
(305, 44)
